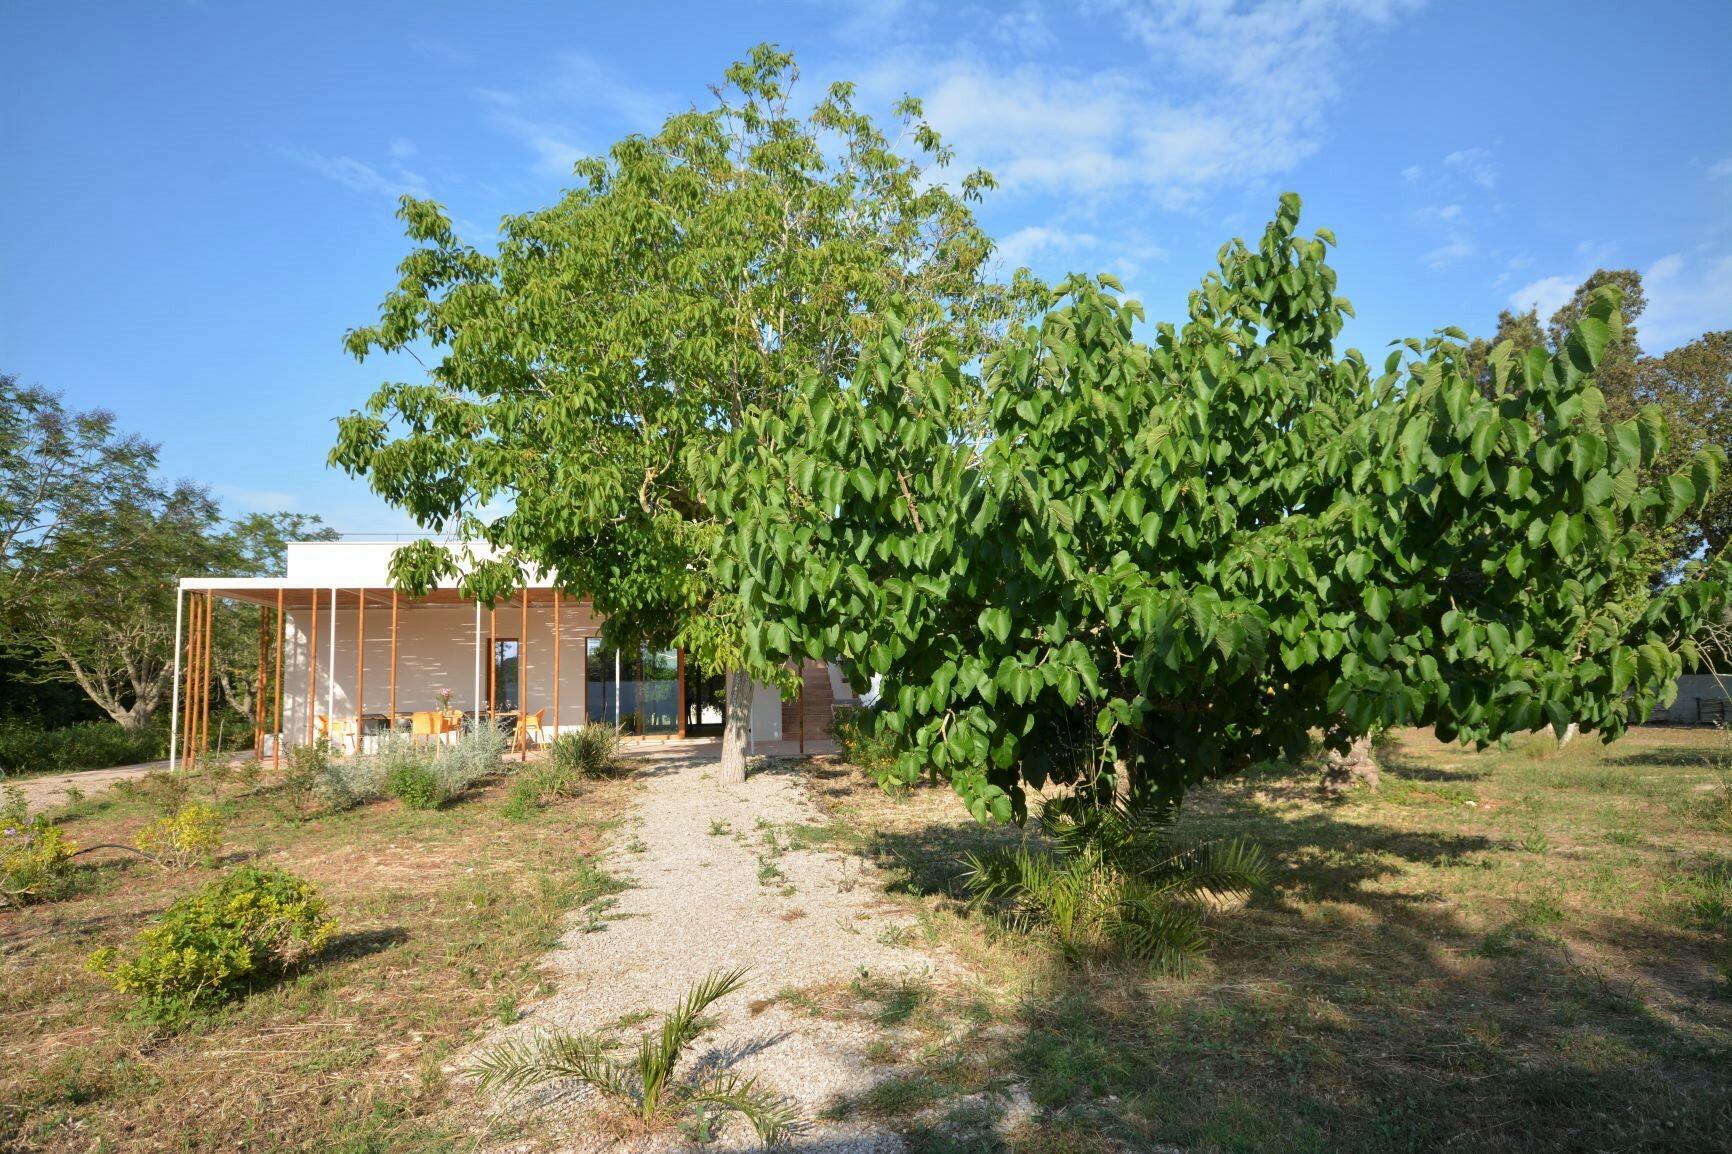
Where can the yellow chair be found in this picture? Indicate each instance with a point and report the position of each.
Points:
(425, 725)
(529, 729)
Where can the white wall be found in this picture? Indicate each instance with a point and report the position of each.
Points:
(766, 713)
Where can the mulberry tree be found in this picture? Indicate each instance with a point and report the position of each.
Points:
(1166, 560)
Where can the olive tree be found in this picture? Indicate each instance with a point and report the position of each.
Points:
(590, 371)
(1165, 561)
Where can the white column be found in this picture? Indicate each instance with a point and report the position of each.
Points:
(478, 665)
(331, 673)
(618, 689)
(174, 715)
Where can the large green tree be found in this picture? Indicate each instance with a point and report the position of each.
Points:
(590, 370)
(1165, 561)
(92, 541)
(1689, 384)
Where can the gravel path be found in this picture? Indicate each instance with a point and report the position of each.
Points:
(700, 856)
(49, 789)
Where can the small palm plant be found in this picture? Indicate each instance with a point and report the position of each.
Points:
(1113, 884)
(646, 1084)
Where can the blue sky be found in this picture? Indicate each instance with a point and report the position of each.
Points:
(196, 199)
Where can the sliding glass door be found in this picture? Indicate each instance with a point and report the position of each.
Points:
(637, 689)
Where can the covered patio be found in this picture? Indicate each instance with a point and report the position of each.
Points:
(345, 657)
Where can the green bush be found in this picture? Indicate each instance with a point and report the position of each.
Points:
(477, 754)
(191, 837)
(1110, 884)
(26, 748)
(861, 740)
(304, 770)
(589, 752)
(210, 946)
(35, 857)
(415, 784)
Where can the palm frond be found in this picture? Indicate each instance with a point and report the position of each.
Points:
(525, 1062)
(769, 1113)
(658, 1054)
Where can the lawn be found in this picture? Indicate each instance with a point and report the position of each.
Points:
(1524, 949)
(445, 916)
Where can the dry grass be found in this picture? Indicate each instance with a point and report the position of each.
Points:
(444, 913)
(1517, 950)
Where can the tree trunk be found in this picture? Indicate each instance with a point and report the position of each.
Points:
(736, 727)
(1341, 771)
(1568, 734)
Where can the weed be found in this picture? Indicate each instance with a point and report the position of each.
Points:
(647, 1086)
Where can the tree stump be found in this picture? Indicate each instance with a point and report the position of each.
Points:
(1342, 771)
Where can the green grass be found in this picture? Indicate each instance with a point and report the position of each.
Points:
(446, 915)
(1517, 950)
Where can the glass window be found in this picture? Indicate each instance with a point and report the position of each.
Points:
(505, 683)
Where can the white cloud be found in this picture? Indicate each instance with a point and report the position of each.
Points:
(1547, 295)
(1444, 213)
(257, 500)
(1411, 174)
(1027, 245)
(1686, 298)
(1476, 163)
(1721, 169)
(1445, 255)
(1051, 250)
(1023, 27)
(547, 116)
(401, 148)
(1232, 94)
(358, 175)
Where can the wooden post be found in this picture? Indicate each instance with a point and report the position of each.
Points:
(523, 677)
(556, 649)
(313, 665)
(360, 666)
(492, 661)
(277, 736)
(802, 706)
(393, 722)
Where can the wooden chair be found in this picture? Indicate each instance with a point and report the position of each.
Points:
(448, 724)
(425, 726)
(529, 729)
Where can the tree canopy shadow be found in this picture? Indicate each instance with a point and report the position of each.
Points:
(1347, 1007)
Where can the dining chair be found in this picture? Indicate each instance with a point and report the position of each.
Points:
(529, 729)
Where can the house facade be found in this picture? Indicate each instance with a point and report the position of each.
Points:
(342, 654)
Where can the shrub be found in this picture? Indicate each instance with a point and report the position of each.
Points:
(210, 946)
(1113, 885)
(646, 1084)
(477, 754)
(35, 857)
(343, 785)
(193, 835)
(415, 784)
(167, 789)
(590, 751)
(861, 740)
(28, 748)
(304, 768)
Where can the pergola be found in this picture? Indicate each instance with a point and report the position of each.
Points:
(193, 624)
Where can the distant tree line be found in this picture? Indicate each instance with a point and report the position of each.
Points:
(92, 542)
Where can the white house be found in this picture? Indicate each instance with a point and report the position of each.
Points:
(341, 652)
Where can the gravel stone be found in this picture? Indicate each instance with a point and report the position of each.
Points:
(698, 905)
